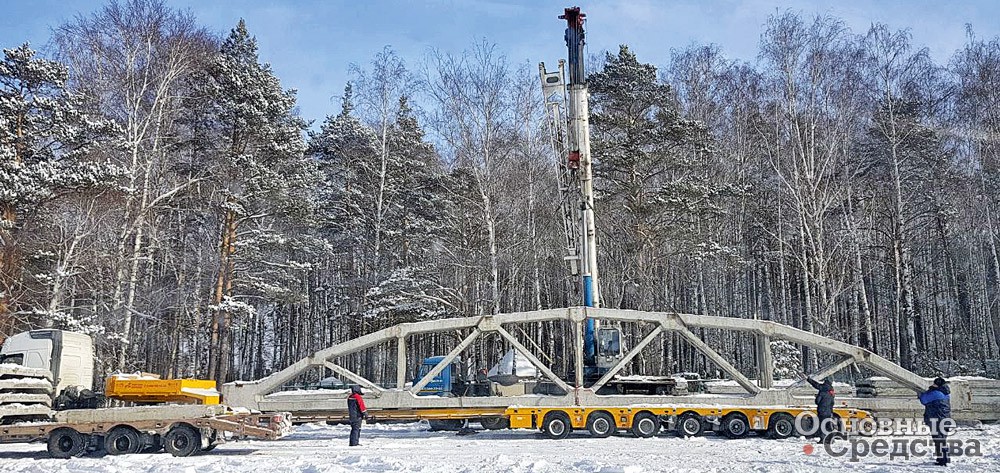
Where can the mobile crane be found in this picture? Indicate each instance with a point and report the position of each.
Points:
(571, 139)
(567, 113)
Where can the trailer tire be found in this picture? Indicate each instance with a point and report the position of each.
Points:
(182, 441)
(735, 425)
(556, 425)
(690, 424)
(781, 426)
(65, 442)
(645, 425)
(495, 422)
(122, 440)
(601, 425)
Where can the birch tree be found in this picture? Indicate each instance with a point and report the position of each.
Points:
(472, 102)
(132, 59)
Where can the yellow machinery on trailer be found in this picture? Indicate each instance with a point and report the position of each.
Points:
(150, 389)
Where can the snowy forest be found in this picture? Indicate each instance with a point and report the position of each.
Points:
(160, 191)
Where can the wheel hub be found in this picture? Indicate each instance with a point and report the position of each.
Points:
(556, 428)
(646, 426)
(601, 426)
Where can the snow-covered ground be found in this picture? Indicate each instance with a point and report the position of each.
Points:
(411, 448)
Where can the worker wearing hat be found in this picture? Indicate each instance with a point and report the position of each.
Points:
(937, 408)
(357, 412)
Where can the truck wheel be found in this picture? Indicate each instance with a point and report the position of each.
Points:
(556, 425)
(65, 442)
(735, 425)
(182, 441)
(601, 425)
(645, 425)
(689, 424)
(495, 422)
(122, 440)
(781, 426)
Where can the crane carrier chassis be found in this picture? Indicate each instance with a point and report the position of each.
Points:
(763, 408)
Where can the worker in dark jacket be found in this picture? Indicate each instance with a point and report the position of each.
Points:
(357, 412)
(937, 408)
(824, 408)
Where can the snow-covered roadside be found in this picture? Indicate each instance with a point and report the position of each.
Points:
(318, 448)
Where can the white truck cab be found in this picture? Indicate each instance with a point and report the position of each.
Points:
(69, 356)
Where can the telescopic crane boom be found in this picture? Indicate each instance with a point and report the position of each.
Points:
(572, 138)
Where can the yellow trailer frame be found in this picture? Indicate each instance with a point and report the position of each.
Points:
(631, 417)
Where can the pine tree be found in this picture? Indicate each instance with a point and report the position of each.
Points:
(345, 150)
(262, 175)
(47, 147)
(388, 242)
(415, 202)
(787, 359)
(650, 174)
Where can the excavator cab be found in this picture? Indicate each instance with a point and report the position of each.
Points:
(451, 381)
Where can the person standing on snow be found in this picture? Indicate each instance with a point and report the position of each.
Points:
(937, 408)
(824, 408)
(357, 412)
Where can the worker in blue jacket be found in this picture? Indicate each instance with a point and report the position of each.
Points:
(937, 408)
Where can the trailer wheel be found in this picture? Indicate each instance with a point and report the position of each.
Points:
(556, 425)
(122, 440)
(601, 425)
(805, 425)
(495, 422)
(645, 425)
(65, 442)
(735, 425)
(689, 424)
(781, 426)
(182, 441)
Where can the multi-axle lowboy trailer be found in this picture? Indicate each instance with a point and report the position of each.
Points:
(40, 369)
(644, 421)
(181, 430)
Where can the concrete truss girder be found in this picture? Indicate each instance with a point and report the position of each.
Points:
(252, 393)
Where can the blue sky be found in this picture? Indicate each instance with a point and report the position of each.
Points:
(311, 43)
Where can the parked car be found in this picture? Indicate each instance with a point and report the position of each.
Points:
(331, 382)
